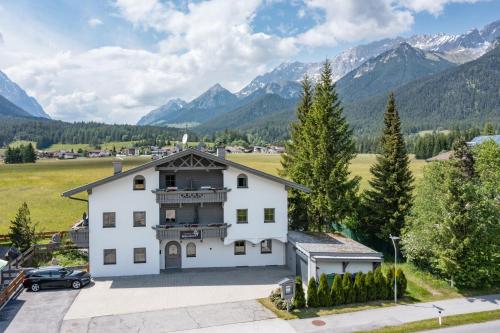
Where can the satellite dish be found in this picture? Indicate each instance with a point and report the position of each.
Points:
(184, 138)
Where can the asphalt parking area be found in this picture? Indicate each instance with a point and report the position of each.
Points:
(134, 294)
(42, 311)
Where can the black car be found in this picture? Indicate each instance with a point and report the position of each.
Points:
(55, 277)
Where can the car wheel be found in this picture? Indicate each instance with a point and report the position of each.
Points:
(35, 287)
(76, 284)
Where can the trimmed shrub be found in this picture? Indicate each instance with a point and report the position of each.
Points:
(359, 288)
(312, 293)
(336, 293)
(371, 292)
(401, 282)
(380, 284)
(276, 299)
(349, 293)
(390, 283)
(324, 291)
(299, 300)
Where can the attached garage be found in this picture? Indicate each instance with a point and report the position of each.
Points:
(311, 254)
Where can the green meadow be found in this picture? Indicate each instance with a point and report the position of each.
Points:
(41, 184)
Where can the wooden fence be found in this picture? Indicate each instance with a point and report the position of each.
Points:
(13, 286)
(45, 234)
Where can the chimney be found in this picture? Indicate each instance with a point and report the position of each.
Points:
(221, 152)
(117, 166)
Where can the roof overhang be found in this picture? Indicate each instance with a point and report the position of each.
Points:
(155, 163)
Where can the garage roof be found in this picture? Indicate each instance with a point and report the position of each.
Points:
(330, 244)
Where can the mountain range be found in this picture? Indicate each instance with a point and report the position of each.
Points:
(17, 96)
(362, 72)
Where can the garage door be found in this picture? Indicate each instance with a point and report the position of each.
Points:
(301, 268)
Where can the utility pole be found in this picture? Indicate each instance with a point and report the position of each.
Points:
(394, 238)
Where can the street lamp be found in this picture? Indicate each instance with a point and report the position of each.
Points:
(394, 239)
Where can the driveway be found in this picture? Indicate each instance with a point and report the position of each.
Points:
(36, 312)
(188, 288)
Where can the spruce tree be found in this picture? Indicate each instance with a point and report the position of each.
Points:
(337, 293)
(295, 161)
(329, 141)
(488, 129)
(312, 293)
(299, 300)
(28, 154)
(324, 291)
(22, 230)
(389, 199)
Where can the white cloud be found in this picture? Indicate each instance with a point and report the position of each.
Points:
(199, 44)
(94, 22)
(434, 7)
(355, 20)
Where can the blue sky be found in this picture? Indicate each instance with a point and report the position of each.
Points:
(115, 60)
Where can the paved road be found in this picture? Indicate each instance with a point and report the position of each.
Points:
(37, 312)
(391, 316)
(172, 320)
(487, 327)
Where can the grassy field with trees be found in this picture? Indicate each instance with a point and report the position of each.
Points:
(41, 184)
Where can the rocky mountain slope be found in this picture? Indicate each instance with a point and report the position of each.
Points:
(15, 94)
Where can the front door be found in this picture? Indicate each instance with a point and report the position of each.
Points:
(173, 255)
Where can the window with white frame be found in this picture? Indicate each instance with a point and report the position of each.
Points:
(139, 183)
(139, 255)
(109, 256)
(139, 219)
(268, 215)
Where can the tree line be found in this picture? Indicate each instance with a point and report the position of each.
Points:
(21, 154)
(47, 132)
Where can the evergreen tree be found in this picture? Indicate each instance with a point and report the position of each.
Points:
(371, 292)
(299, 300)
(312, 293)
(349, 293)
(401, 282)
(22, 230)
(387, 203)
(337, 293)
(390, 283)
(295, 161)
(328, 139)
(380, 284)
(359, 287)
(488, 129)
(28, 153)
(324, 291)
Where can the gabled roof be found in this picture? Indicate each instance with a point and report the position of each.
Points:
(176, 156)
(484, 138)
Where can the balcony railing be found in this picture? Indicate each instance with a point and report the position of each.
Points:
(191, 231)
(164, 196)
(79, 236)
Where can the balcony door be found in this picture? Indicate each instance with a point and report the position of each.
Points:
(173, 255)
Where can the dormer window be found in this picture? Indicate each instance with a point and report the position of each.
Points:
(139, 183)
(242, 181)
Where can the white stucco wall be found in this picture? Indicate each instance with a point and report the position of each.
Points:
(261, 193)
(118, 196)
(213, 253)
(329, 267)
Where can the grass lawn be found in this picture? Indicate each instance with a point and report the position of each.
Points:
(41, 184)
(448, 321)
(105, 146)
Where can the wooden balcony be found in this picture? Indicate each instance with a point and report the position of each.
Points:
(188, 197)
(191, 231)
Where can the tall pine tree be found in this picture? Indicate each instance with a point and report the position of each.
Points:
(295, 161)
(22, 230)
(387, 203)
(331, 147)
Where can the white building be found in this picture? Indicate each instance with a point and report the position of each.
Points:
(187, 210)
